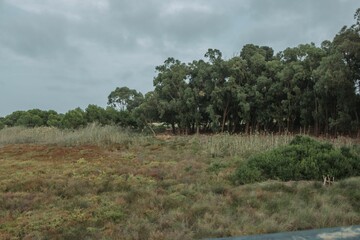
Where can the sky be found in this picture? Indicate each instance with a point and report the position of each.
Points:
(63, 54)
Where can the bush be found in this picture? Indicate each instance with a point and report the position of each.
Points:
(247, 174)
(303, 159)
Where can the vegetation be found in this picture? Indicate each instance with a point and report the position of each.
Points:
(305, 88)
(303, 159)
(102, 182)
(91, 174)
(73, 119)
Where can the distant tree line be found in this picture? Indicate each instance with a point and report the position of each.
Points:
(73, 119)
(316, 89)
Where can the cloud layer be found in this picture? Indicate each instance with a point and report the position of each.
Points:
(68, 53)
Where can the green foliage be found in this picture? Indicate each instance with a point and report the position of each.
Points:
(29, 120)
(246, 173)
(2, 124)
(54, 120)
(303, 159)
(33, 118)
(125, 99)
(96, 114)
(74, 119)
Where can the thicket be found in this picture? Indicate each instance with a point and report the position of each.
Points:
(302, 159)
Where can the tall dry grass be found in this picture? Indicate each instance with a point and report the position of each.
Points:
(242, 145)
(92, 134)
(217, 145)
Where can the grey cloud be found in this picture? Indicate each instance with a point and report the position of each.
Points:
(129, 23)
(65, 54)
(289, 23)
(33, 35)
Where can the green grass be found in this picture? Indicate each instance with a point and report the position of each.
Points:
(105, 183)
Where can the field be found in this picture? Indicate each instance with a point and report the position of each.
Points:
(107, 183)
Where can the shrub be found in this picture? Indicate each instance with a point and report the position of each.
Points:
(302, 159)
(246, 174)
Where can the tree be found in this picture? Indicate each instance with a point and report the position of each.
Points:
(147, 113)
(170, 84)
(2, 124)
(54, 119)
(338, 81)
(73, 119)
(219, 106)
(337, 94)
(29, 119)
(200, 94)
(94, 113)
(11, 119)
(125, 99)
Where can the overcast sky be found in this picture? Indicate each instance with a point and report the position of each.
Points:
(63, 54)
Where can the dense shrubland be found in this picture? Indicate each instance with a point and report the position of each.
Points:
(308, 88)
(302, 159)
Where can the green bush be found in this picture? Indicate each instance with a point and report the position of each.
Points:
(247, 174)
(303, 159)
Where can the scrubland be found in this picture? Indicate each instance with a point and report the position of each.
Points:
(109, 183)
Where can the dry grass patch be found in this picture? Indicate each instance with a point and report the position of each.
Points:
(157, 189)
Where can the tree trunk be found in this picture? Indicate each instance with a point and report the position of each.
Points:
(173, 128)
(224, 116)
(151, 129)
(316, 119)
(247, 127)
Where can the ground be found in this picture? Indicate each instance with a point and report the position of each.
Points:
(158, 188)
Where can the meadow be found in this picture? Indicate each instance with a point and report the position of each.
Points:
(110, 183)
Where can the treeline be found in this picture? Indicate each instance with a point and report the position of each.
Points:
(308, 88)
(312, 88)
(73, 119)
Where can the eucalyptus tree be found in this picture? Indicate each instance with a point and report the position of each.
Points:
(201, 87)
(338, 78)
(239, 111)
(224, 87)
(147, 113)
(125, 99)
(170, 85)
(254, 89)
(298, 84)
(271, 86)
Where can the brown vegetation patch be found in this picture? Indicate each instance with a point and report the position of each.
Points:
(50, 152)
(157, 189)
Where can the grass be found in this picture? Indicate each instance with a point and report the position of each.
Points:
(105, 183)
(92, 134)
